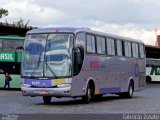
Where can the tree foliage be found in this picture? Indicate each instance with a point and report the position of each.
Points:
(21, 22)
(3, 12)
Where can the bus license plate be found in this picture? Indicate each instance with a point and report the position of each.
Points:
(43, 92)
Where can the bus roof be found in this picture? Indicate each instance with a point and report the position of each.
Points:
(75, 30)
(12, 37)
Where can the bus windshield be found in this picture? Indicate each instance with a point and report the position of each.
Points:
(47, 55)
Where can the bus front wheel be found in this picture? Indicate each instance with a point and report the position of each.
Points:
(148, 79)
(89, 94)
(46, 99)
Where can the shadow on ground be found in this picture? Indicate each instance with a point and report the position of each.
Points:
(79, 101)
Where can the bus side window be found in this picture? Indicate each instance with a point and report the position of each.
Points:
(137, 53)
(119, 48)
(129, 50)
(80, 39)
(150, 63)
(101, 45)
(157, 63)
(80, 42)
(141, 51)
(91, 44)
(127, 47)
(135, 50)
(10, 45)
(110, 46)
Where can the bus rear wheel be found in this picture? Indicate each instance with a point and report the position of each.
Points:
(47, 99)
(129, 93)
(130, 90)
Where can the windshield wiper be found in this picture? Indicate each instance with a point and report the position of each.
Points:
(37, 65)
(51, 70)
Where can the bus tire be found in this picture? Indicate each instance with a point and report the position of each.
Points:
(148, 79)
(89, 94)
(47, 99)
(129, 93)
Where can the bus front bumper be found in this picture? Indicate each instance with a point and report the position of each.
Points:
(55, 92)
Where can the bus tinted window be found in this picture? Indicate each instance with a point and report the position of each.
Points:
(101, 47)
(141, 51)
(119, 48)
(150, 63)
(153, 63)
(127, 47)
(157, 63)
(129, 50)
(80, 39)
(91, 44)
(135, 50)
(110, 46)
(9, 45)
(137, 53)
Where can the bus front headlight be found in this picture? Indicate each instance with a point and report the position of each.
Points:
(63, 85)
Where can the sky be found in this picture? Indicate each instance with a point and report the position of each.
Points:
(130, 18)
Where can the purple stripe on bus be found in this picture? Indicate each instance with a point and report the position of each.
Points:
(109, 90)
(38, 83)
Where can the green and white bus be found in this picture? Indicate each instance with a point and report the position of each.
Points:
(10, 59)
(152, 69)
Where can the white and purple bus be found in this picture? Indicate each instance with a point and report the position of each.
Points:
(80, 62)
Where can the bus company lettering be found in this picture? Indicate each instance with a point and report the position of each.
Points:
(36, 83)
(6, 57)
(136, 70)
(155, 71)
(94, 64)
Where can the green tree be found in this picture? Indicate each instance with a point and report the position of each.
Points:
(21, 22)
(3, 12)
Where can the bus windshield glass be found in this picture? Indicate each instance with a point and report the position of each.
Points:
(34, 48)
(47, 55)
(58, 55)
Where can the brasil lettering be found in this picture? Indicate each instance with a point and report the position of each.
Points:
(155, 71)
(7, 57)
